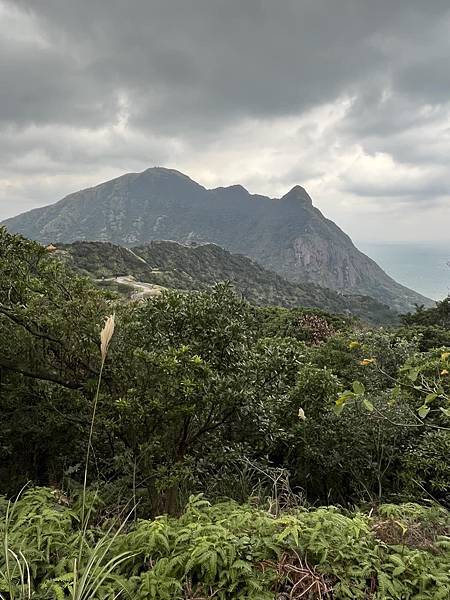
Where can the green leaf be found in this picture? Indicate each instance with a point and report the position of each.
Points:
(446, 411)
(344, 397)
(413, 374)
(368, 405)
(423, 411)
(430, 398)
(358, 388)
(338, 408)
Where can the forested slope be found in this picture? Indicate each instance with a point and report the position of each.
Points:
(129, 423)
(198, 267)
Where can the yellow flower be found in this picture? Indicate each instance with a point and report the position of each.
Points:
(445, 355)
(366, 361)
(354, 344)
(444, 372)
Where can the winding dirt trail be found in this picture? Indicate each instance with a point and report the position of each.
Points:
(142, 289)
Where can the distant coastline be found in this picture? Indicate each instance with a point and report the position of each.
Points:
(422, 266)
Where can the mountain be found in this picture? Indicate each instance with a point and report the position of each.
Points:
(145, 270)
(288, 235)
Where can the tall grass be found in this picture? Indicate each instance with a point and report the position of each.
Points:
(16, 565)
(90, 577)
(105, 339)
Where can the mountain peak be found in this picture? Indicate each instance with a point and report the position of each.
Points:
(286, 235)
(231, 189)
(298, 194)
(166, 176)
(164, 171)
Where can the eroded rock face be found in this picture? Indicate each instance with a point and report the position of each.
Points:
(288, 235)
(325, 261)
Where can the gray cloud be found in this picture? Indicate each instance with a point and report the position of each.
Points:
(222, 59)
(349, 97)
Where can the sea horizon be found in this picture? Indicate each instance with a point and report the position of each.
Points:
(422, 266)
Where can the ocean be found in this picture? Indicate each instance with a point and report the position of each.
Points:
(424, 266)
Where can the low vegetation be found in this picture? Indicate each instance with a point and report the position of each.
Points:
(210, 448)
(225, 551)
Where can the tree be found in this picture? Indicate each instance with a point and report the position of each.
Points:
(49, 320)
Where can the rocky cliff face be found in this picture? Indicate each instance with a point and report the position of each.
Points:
(288, 235)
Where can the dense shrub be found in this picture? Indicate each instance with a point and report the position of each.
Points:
(202, 390)
(426, 466)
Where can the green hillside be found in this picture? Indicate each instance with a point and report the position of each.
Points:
(198, 267)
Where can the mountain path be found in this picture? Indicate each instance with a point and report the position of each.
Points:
(143, 289)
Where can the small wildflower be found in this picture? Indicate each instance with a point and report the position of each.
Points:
(444, 372)
(301, 414)
(445, 355)
(353, 344)
(366, 361)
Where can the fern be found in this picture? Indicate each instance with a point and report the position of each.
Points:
(225, 551)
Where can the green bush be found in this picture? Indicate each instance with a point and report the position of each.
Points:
(427, 467)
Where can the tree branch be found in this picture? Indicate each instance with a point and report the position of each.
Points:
(39, 374)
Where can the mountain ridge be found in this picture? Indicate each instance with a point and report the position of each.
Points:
(288, 235)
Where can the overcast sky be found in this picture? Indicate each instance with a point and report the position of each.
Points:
(349, 98)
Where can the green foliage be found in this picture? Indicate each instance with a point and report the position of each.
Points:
(426, 465)
(203, 392)
(425, 379)
(420, 400)
(427, 337)
(49, 322)
(297, 324)
(229, 552)
(437, 316)
(373, 357)
(199, 267)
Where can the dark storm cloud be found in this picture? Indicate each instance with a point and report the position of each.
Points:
(182, 62)
(108, 84)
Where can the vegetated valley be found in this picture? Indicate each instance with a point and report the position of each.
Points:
(259, 439)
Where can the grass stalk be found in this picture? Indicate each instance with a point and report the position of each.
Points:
(105, 339)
